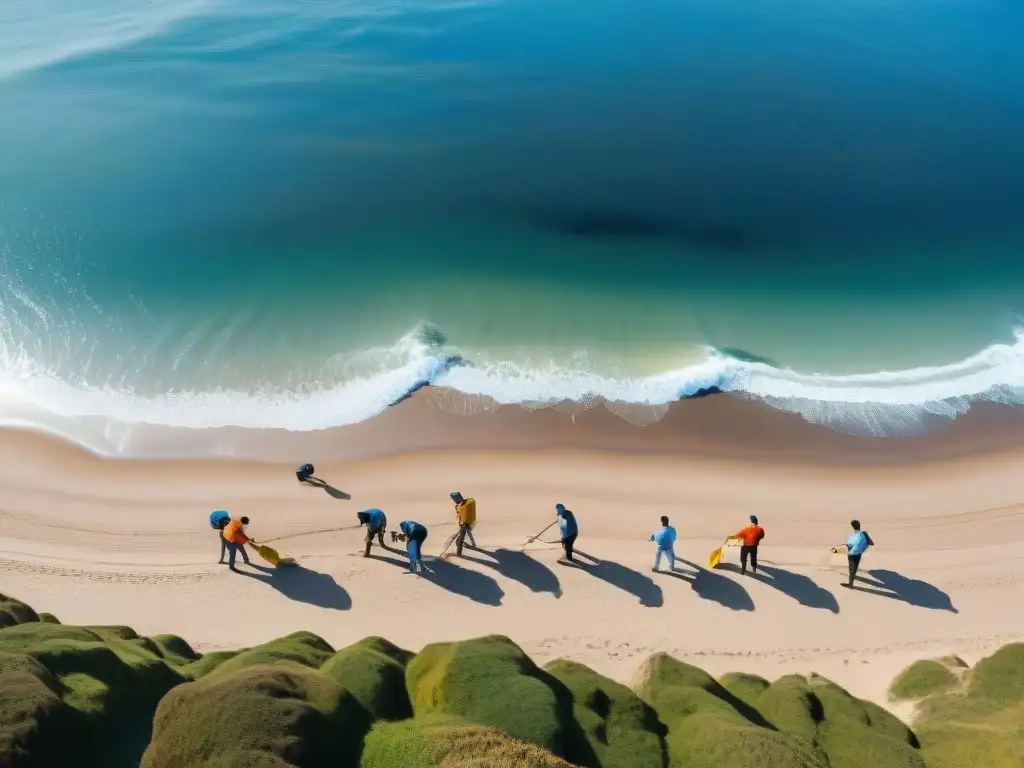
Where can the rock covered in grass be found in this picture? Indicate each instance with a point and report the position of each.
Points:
(373, 670)
(620, 728)
(439, 741)
(14, 612)
(260, 715)
(491, 682)
(300, 648)
(979, 722)
(923, 678)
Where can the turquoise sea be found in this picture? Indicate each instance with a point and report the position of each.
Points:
(290, 214)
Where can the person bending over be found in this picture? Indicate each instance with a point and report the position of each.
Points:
(376, 523)
(414, 534)
(236, 537)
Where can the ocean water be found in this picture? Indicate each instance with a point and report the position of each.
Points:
(270, 214)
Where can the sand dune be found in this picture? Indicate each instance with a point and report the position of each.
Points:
(127, 542)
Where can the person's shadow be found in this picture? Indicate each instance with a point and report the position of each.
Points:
(635, 583)
(519, 566)
(709, 585)
(303, 585)
(801, 588)
(478, 587)
(898, 587)
(330, 490)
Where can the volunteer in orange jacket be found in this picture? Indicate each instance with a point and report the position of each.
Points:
(751, 537)
(234, 535)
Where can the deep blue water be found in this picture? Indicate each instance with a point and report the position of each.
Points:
(286, 214)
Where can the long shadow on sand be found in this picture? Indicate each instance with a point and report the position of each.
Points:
(519, 566)
(709, 585)
(801, 588)
(911, 591)
(330, 490)
(478, 587)
(303, 585)
(642, 586)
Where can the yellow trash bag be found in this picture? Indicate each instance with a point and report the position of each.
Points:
(272, 556)
(716, 557)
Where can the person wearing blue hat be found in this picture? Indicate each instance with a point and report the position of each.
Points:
(568, 528)
(218, 521)
(465, 518)
(414, 535)
(376, 523)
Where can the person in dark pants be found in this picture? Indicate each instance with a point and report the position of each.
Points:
(568, 527)
(414, 534)
(750, 537)
(376, 523)
(465, 517)
(857, 544)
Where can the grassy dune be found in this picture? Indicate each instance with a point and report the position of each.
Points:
(105, 697)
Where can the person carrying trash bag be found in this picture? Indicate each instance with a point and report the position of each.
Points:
(218, 521)
(376, 523)
(465, 516)
(414, 535)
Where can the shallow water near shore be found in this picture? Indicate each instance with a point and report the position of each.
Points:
(218, 214)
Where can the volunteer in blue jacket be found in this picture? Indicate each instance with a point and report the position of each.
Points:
(857, 544)
(218, 521)
(569, 529)
(665, 538)
(414, 534)
(376, 523)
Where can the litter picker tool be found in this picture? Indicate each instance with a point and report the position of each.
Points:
(532, 539)
(447, 543)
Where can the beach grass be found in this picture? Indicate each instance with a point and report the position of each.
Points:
(105, 696)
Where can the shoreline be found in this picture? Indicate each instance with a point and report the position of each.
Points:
(713, 426)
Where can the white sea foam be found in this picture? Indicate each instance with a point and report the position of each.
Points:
(882, 404)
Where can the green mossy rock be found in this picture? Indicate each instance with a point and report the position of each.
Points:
(923, 678)
(491, 682)
(981, 723)
(446, 742)
(744, 687)
(14, 612)
(300, 648)
(259, 716)
(620, 728)
(373, 670)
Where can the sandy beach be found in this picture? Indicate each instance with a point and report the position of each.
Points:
(98, 541)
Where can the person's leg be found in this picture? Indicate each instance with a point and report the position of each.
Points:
(753, 559)
(569, 542)
(671, 552)
(413, 550)
(223, 547)
(380, 536)
(232, 551)
(460, 537)
(367, 541)
(657, 558)
(854, 561)
(469, 534)
(744, 554)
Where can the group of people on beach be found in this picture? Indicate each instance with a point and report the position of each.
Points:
(234, 536)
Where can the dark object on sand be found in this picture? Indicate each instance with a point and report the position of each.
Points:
(304, 472)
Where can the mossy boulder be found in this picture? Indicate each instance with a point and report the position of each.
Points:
(300, 648)
(923, 678)
(491, 682)
(101, 691)
(37, 728)
(746, 688)
(978, 723)
(447, 742)
(260, 715)
(620, 727)
(207, 663)
(49, 618)
(709, 726)
(373, 670)
(13, 611)
(174, 650)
